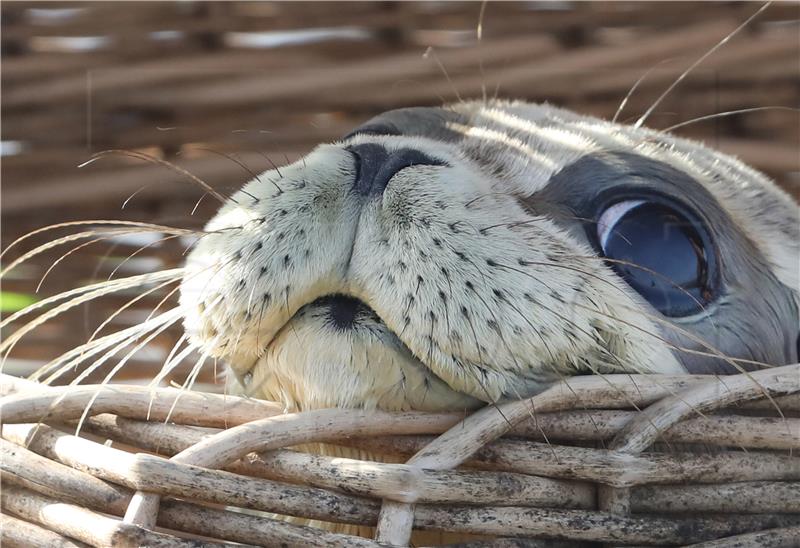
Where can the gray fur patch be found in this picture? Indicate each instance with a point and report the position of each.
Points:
(428, 122)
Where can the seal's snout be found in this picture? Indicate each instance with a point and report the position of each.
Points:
(375, 166)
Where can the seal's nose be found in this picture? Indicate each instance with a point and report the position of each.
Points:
(375, 166)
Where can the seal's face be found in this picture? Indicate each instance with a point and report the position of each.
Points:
(440, 258)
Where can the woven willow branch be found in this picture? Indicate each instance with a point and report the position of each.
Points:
(510, 481)
(456, 445)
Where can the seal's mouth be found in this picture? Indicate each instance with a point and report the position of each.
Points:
(344, 312)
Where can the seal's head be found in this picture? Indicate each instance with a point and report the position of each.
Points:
(438, 258)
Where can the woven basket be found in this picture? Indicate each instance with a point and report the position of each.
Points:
(570, 466)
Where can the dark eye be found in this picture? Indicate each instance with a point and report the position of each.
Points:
(661, 252)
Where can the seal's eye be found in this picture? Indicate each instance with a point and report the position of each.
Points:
(662, 252)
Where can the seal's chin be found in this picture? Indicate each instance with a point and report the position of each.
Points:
(337, 352)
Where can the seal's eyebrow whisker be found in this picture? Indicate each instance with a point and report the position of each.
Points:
(479, 36)
(635, 86)
(643, 118)
(728, 113)
(430, 53)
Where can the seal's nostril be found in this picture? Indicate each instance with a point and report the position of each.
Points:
(375, 166)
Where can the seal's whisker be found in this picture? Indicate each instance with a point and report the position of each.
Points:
(151, 328)
(173, 360)
(633, 89)
(103, 288)
(430, 53)
(715, 353)
(151, 226)
(245, 167)
(141, 249)
(191, 378)
(59, 366)
(165, 321)
(99, 289)
(643, 118)
(130, 303)
(596, 309)
(149, 158)
(607, 282)
(70, 252)
(65, 240)
(728, 113)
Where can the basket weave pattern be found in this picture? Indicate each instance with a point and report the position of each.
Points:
(572, 463)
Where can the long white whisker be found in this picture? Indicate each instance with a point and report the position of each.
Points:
(195, 370)
(142, 248)
(111, 286)
(130, 303)
(166, 320)
(151, 226)
(65, 240)
(7, 345)
(633, 89)
(67, 254)
(123, 338)
(727, 113)
(705, 56)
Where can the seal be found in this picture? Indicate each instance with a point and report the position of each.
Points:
(443, 258)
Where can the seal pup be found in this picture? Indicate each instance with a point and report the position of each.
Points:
(443, 258)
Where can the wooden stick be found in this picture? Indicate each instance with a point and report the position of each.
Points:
(10, 384)
(459, 443)
(82, 524)
(723, 430)
(42, 472)
(138, 402)
(749, 497)
(58, 481)
(743, 497)
(285, 430)
(423, 511)
(535, 522)
(620, 470)
(610, 391)
(645, 429)
(16, 533)
(155, 474)
(782, 537)
(373, 479)
(592, 526)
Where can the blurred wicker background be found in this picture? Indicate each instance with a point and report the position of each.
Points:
(192, 82)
